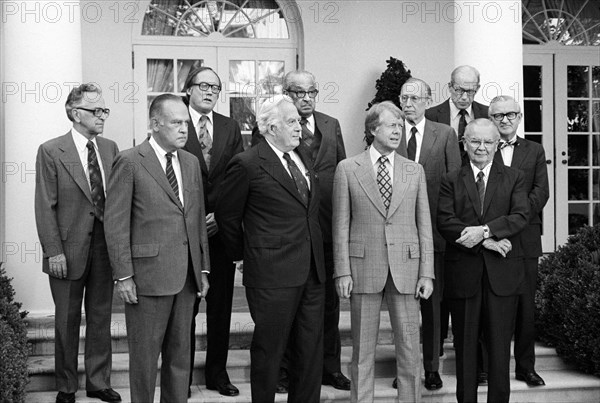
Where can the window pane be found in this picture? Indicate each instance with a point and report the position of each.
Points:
(533, 116)
(595, 185)
(534, 137)
(242, 110)
(160, 75)
(577, 116)
(183, 69)
(270, 76)
(578, 217)
(578, 184)
(596, 116)
(577, 80)
(596, 81)
(596, 150)
(532, 79)
(578, 150)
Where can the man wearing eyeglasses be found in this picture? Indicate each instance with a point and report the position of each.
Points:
(528, 157)
(460, 108)
(482, 211)
(322, 145)
(71, 177)
(214, 139)
(435, 147)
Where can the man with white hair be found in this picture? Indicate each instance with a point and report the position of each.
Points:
(268, 214)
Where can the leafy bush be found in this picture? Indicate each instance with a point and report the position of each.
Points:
(390, 83)
(13, 344)
(568, 300)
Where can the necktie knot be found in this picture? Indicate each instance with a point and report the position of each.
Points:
(169, 155)
(413, 131)
(303, 121)
(480, 175)
(90, 145)
(462, 112)
(383, 159)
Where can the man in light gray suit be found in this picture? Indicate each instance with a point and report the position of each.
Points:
(383, 246)
(158, 248)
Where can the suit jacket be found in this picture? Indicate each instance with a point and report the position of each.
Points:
(441, 113)
(227, 141)
(64, 211)
(369, 242)
(264, 221)
(150, 235)
(505, 211)
(530, 159)
(331, 152)
(439, 155)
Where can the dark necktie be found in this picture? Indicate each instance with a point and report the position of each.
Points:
(204, 139)
(307, 135)
(384, 182)
(412, 144)
(481, 189)
(171, 174)
(299, 179)
(462, 124)
(96, 186)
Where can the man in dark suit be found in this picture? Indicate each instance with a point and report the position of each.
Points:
(481, 213)
(214, 139)
(435, 147)
(71, 176)
(528, 157)
(460, 108)
(268, 215)
(158, 247)
(322, 145)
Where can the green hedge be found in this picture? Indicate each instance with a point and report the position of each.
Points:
(568, 300)
(13, 344)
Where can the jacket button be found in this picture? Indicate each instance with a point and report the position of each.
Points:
(91, 213)
(185, 242)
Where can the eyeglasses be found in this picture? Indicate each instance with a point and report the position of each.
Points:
(206, 86)
(499, 117)
(460, 91)
(478, 143)
(302, 94)
(413, 98)
(98, 112)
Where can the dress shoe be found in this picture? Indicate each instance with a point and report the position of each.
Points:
(433, 380)
(283, 384)
(482, 378)
(106, 395)
(64, 397)
(337, 380)
(224, 388)
(395, 383)
(531, 378)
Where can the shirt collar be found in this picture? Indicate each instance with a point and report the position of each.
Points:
(81, 141)
(374, 154)
(160, 152)
(486, 170)
(195, 116)
(420, 127)
(454, 110)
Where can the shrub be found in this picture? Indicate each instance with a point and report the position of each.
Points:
(13, 344)
(390, 83)
(568, 300)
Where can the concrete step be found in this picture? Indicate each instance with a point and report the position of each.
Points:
(561, 387)
(41, 368)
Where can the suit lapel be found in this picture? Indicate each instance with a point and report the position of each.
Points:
(273, 166)
(429, 138)
(106, 156)
(152, 165)
(402, 150)
(491, 186)
(193, 145)
(72, 163)
(186, 178)
(366, 178)
(219, 139)
(469, 181)
(327, 139)
(520, 152)
(400, 185)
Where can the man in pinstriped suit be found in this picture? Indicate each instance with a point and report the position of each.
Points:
(383, 246)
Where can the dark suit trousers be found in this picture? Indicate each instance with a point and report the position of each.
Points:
(496, 315)
(97, 286)
(278, 314)
(155, 326)
(218, 314)
(332, 346)
(525, 321)
(430, 313)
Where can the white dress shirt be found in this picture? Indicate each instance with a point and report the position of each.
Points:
(195, 117)
(374, 154)
(486, 172)
(310, 123)
(294, 158)
(161, 155)
(420, 130)
(81, 145)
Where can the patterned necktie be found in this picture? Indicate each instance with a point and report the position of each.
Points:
(412, 144)
(384, 182)
(307, 135)
(299, 179)
(96, 186)
(481, 189)
(462, 124)
(204, 139)
(171, 174)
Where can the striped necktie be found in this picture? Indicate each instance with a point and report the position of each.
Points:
(171, 174)
(96, 186)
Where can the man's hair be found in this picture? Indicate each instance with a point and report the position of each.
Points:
(157, 104)
(289, 78)
(463, 69)
(268, 113)
(192, 75)
(414, 80)
(372, 119)
(481, 123)
(76, 96)
(503, 98)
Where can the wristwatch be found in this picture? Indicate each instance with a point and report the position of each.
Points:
(486, 232)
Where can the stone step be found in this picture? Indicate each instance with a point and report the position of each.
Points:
(41, 368)
(561, 387)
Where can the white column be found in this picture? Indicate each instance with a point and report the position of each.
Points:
(42, 61)
(488, 36)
